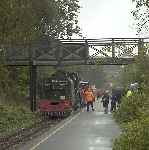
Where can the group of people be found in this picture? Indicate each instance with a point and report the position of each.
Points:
(88, 97)
(115, 98)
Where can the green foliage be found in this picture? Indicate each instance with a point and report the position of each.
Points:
(13, 118)
(4, 75)
(140, 14)
(14, 83)
(66, 21)
(133, 117)
(129, 74)
(133, 112)
(132, 107)
(135, 136)
(137, 72)
(23, 81)
(24, 20)
(19, 81)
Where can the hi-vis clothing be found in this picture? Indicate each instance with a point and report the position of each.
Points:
(89, 96)
(129, 93)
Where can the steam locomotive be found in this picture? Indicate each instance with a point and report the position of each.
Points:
(60, 94)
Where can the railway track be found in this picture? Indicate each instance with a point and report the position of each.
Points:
(11, 142)
(24, 135)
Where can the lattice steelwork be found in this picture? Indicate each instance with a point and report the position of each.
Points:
(76, 51)
(111, 51)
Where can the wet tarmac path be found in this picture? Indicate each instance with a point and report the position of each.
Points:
(85, 131)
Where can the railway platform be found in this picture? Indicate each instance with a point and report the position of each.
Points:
(84, 131)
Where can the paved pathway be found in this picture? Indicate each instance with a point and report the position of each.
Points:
(86, 131)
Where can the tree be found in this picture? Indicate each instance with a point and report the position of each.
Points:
(23, 20)
(66, 19)
(141, 15)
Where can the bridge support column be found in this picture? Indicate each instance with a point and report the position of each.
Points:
(33, 79)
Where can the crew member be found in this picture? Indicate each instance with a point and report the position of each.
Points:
(89, 98)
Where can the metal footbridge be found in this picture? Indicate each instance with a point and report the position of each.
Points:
(45, 51)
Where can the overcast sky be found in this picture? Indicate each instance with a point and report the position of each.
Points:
(106, 18)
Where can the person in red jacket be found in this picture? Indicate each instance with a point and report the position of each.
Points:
(89, 98)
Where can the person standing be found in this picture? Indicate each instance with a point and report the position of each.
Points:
(82, 97)
(113, 102)
(89, 98)
(105, 100)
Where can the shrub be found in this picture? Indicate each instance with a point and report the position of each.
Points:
(14, 118)
(131, 108)
(135, 136)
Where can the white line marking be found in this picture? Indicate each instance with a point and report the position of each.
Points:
(54, 132)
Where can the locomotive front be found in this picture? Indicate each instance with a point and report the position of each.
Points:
(58, 96)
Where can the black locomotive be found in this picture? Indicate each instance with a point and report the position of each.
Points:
(60, 94)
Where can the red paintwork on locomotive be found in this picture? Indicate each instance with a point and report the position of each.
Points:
(55, 106)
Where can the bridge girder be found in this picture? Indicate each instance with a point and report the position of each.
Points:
(72, 51)
(97, 61)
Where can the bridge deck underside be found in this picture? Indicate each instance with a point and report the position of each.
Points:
(99, 61)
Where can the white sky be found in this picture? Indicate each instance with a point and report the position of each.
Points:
(106, 18)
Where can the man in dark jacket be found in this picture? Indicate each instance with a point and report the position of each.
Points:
(105, 100)
(113, 102)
